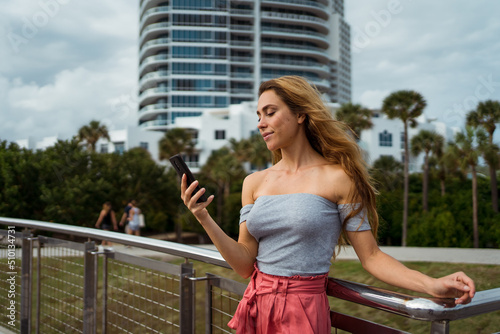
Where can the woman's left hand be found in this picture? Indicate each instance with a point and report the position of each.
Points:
(457, 285)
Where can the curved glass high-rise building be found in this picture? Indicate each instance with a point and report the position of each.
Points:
(200, 54)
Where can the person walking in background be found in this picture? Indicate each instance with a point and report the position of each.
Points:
(126, 213)
(317, 195)
(107, 221)
(133, 226)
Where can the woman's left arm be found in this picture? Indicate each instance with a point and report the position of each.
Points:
(391, 271)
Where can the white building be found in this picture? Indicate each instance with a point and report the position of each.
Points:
(31, 143)
(386, 138)
(131, 137)
(120, 141)
(215, 127)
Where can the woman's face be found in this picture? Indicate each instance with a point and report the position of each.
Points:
(277, 124)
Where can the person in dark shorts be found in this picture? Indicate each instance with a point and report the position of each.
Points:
(107, 221)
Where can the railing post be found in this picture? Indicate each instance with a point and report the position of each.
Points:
(440, 327)
(38, 284)
(26, 288)
(105, 291)
(186, 293)
(89, 289)
(208, 304)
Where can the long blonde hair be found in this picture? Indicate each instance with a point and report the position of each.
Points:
(331, 139)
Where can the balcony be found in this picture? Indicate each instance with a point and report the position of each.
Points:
(152, 62)
(151, 94)
(153, 78)
(157, 124)
(70, 286)
(317, 7)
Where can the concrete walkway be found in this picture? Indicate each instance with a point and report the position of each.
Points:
(430, 254)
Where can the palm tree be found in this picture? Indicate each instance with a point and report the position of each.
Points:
(252, 150)
(447, 164)
(406, 105)
(466, 149)
(176, 141)
(486, 115)
(92, 133)
(426, 141)
(387, 172)
(357, 117)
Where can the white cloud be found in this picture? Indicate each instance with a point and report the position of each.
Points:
(79, 65)
(373, 98)
(440, 49)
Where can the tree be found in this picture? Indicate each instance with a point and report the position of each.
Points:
(406, 105)
(485, 116)
(222, 169)
(356, 117)
(466, 149)
(92, 133)
(387, 171)
(176, 141)
(252, 150)
(426, 141)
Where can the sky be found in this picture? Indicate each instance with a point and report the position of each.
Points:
(64, 63)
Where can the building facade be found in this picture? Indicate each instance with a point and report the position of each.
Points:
(199, 54)
(119, 142)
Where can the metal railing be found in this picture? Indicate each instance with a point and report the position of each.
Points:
(61, 286)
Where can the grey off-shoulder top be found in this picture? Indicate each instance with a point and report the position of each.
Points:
(297, 233)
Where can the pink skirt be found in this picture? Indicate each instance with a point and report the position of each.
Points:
(278, 304)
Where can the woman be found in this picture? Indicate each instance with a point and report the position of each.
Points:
(133, 226)
(316, 195)
(107, 220)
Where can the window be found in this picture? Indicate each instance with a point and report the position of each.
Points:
(104, 148)
(220, 134)
(192, 160)
(119, 147)
(144, 145)
(385, 139)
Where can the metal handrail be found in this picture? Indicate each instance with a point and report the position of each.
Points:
(421, 308)
(173, 248)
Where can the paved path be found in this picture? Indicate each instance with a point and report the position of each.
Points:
(431, 254)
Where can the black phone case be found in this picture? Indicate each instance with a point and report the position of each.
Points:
(181, 168)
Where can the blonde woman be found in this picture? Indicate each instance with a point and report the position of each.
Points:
(133, 226)
(317, 195)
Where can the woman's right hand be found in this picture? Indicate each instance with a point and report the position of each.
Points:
(197, 209)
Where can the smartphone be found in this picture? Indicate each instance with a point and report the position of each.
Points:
(181, 168)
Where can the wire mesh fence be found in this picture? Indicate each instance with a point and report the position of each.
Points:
(140, 299)
(60, 292)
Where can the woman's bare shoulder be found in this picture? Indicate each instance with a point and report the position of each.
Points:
(339, 184)
(251, 185)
